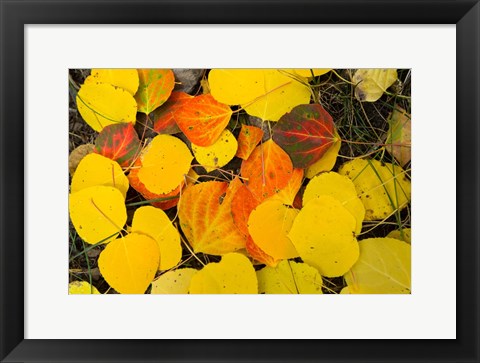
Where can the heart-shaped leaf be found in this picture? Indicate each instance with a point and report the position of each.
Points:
(118, 142)
(155, 88)
(305, 133)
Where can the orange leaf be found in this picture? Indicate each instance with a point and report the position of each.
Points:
(136, 184)
(163, 121)
(202, 119)
(248, 139)
(268, 170)
(206, 220)
(287, 194)
(243, 203)
(258, 254)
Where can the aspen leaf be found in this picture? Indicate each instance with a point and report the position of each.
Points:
(269, 225)
(382, 187)
(101, 104)
(339, 187)
(264, 93)
(289, 277)
(97, 213)
(243, 203)
(399, 137)
(218, 154)
(155, 87)
(258, 254)
(327, 161)
(267, 170)
(163, 201)
(234, 274)
(206, 220)
(77, 155)
(118, 142)
(81, 287)
(174, 282)
(155, 223)
(123, 78)
(95, 170)
(202, 119)
(162, 117)
(130, 263)
(248, 139)
(165, 161)
(384, 267)
(288, 193)
(372, 83)
(403, 235)
(305, 133)
(323, 234)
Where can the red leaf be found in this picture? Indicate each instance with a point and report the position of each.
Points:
(162, 117)
(118, 142)
(155, 87)
(267, 170)
(202, 119)
(305, 134)
(248, 138)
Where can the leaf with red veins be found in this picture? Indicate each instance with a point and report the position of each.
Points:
(118, 142)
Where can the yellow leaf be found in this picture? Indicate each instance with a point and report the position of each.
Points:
(289, 277)
(403, 235)
(102, 104)
(269, 224)
(384, 267)
(98, 213)
(81, 287)
(327, 161)
(218, 154)
(129, 263)
(155, 223)
(339, 187)
(382, 187)
(372, 83)
(324, 235)
(399, 137)
(123, 78)
(174, 282)
(234, 274)
(95, 169)
(165, 162)
(264, 93)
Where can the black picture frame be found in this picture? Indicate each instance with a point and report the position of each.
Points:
(16, 13)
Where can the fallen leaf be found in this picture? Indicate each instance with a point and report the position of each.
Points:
(269, 225)
(324, 236)
(267, 170)
(289, 277)
(95, 170)
(405, 234)
(155, 223)
(384, 267)
(218, 154)
(118, 142)
(165, 161)
(123, 78)
(382, 187)
(202, 119)
(258, 254)
(81, 287)
(234, 274)
(243, 203)
(327, 161)
(372, 83)
(77, 155)
(248, 139)
(206, 220)
(162, 117)
(155, 88)
(174, 282)
(101, 104)
(130, 263)
(305, 134)
(288, 193)
(98, 213)
(264, 93)
(339, 187)
(399, 137)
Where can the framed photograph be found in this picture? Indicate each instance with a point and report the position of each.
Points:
(355, 73)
